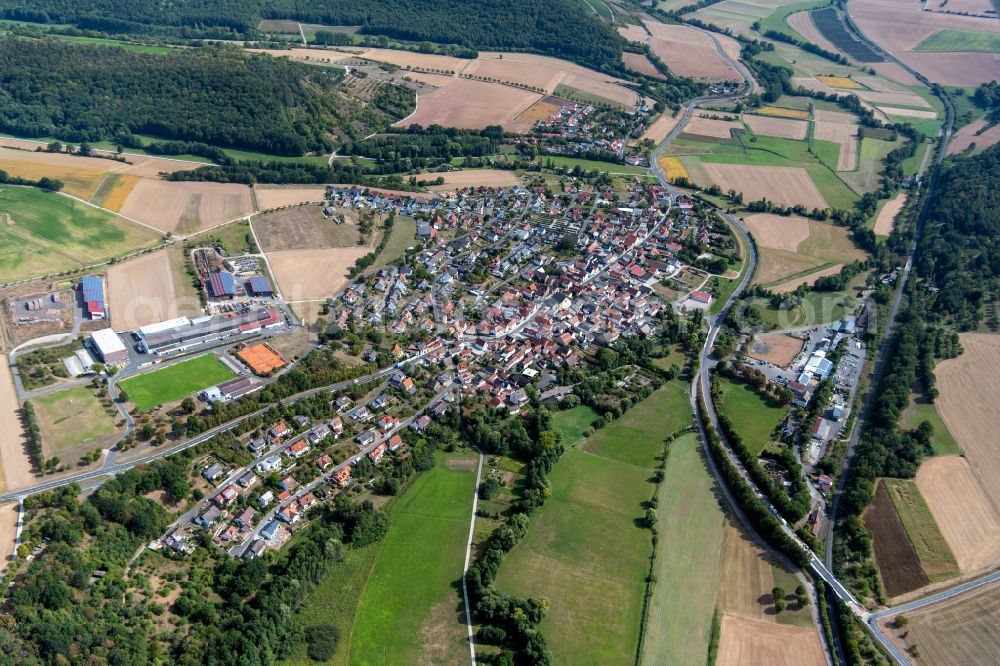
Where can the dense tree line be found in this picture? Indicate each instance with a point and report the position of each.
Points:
(556, 27)
(987, 96)
(419, 148)
(222, 97)
(804, 45)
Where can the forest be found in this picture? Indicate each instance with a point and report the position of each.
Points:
(216, 96)
(555, 27)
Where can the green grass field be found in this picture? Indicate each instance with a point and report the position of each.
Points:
(943, 441)
(936, 557)
(49, 233)
(595, 592)
(335, 601)
(174, 382)
(590, 165)
(73, 422)
(630, 439)
(816, 308)
(409, 611)
(403, 235)
(961, 40)
(753, 415)
(778, 19)
(570, 423)
(690, 529)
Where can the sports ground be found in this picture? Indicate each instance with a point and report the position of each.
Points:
(152, 389)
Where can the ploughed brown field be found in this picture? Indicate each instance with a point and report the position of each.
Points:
(970, 134)
(897, 559)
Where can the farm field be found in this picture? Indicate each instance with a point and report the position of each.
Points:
(162, 385)
(468, 104)
(898, 562)
(738, 15)
(631, 440)
(638, 62)
(672, 168)
(416, 603)
(776, 348)
(570, 423)
(956, 500)
(935, 555)
(900, 27)
(870, 162)
(313, 274)
(961, 40)
(149, 288)
(595, 593)
(685, 50)
(48, 233)
(113, 191)
(886, 219)
(8, 531)
(305, 227)
(969, 136)
(660, 128)
(186, 207)
(795, 249)
(754, 416)
(845, 135)
(276, 197)
(968, 385)
(16, 470)
(783, 128)
(80, 175)
(745, 642)
(690, 536)
(475, 178)
(957, 632)
(73, 422)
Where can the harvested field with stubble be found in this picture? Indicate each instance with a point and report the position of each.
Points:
(908, 113)
(784, 128)
(969, 522)
(782, 112)
(936, 558)
(745, 642)
(968, 387)
(540, 110)
(672, 168)
(150, 288)
(969, 135)
(686, 50)
(776, 348)
(470, 104)
(843, 134)
(887, 216)
(276, 197)
(475, 178)
(961, 631)
(305, 228)
(313, 274)
(113, 191)
(722, 129)
(787, 186)
(897, 559)
(660, 128)
(808, 279)
(186, 207)
(778, 232)
(638, 62)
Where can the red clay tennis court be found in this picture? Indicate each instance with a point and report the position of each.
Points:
(261, 358)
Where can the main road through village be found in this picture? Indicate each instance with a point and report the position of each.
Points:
(700, 386)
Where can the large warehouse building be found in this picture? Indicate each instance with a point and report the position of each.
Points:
(109, 346)
(181, 333)
(92, 290)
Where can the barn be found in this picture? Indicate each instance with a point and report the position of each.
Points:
(261, 286)
(92, 291)
(221, 284)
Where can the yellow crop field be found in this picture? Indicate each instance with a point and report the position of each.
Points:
(77, 181)
(782, 112)
(841, 82)
(672, 168)
(114, 191)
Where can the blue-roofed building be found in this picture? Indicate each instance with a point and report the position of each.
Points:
(221, 284)
(261, 286)
(92, 291)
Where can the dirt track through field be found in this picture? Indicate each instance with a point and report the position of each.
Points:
(969, 386)
(142, 291)
(887, 216)
(969, 522)
(745, 642)
(16, 464)
(786, 186)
